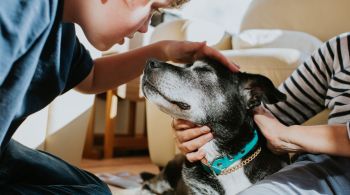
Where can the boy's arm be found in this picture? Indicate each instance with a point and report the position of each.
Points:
(111, 71)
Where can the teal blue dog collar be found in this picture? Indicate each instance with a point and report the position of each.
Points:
(221, 163)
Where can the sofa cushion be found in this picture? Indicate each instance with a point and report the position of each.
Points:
(213, 34)
(276, 38)
(322, 18)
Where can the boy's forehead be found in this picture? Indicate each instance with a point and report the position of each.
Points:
(162, 1)
(178, 3)
(170, 3)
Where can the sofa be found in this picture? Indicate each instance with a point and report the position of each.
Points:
(273, 39)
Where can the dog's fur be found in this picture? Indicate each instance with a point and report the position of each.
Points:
(207, 93)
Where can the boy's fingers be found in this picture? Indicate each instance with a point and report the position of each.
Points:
(195, 144)
(213, 53)
(195, 46)
(179, 124)
(190, 134)
(195, 156)
(202, 50)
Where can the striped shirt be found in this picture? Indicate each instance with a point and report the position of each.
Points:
(322, 81)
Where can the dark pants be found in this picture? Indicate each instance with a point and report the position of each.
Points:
(27, 171)
(311, 174)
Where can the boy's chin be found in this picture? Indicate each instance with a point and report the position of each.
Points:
(103, 46)
(121, 41)
(103, 43)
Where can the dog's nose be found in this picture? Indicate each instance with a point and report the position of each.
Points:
(153, 63)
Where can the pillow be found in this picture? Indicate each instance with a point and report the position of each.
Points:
(215, 35)
(275, 38)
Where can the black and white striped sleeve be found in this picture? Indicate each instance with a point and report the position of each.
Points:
(306, 89)
(322, 81)
(348, 128)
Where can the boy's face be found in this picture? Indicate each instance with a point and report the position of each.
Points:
(115, 20)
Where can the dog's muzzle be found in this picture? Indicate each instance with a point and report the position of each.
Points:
(152, 65)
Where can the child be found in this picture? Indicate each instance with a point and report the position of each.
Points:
(41, 58)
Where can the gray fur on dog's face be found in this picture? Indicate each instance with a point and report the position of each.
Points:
(188, 92)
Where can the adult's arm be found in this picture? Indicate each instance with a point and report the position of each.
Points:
(327, 139)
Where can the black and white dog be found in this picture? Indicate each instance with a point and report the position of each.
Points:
(207, 93)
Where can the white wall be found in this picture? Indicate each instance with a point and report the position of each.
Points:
(32, 132)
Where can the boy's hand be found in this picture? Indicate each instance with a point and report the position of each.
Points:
(189, 138)
(186, 52)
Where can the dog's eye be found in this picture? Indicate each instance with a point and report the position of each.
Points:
(187, 65)
(202, 69)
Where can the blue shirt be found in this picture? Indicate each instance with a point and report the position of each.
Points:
(40, 59)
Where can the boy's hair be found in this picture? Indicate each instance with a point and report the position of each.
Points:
(178, 3)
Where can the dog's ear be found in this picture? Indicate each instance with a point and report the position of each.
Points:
(172, 171)
(145, 176)
(257, 88)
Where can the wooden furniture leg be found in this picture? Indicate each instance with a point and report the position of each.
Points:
(89, 150)
(110, 121)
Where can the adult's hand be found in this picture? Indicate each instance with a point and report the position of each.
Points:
(278, 136)
(189, 138)
(186, 52)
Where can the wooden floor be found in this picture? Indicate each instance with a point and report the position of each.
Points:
(133, 165)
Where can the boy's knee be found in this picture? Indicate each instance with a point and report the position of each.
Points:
(102, 189)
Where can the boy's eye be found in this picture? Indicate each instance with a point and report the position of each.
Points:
(156, 11)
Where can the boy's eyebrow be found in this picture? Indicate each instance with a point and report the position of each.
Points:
(178, 3)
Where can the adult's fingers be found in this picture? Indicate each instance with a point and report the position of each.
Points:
(190, 134)
(258, 110)
(263, 116)
(261, 110)
(194, 144)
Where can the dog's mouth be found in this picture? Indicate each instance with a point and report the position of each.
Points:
(181, 105)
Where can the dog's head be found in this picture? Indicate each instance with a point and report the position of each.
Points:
(206, 92)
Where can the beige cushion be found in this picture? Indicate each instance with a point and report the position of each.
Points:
(276, 64)
(322, 18)
(161, 142)
(275, 38)
(186, 30)
(213, 34)
(168, 31)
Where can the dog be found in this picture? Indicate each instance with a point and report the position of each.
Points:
(207, 93)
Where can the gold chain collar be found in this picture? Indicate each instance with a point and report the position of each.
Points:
(242, 163)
